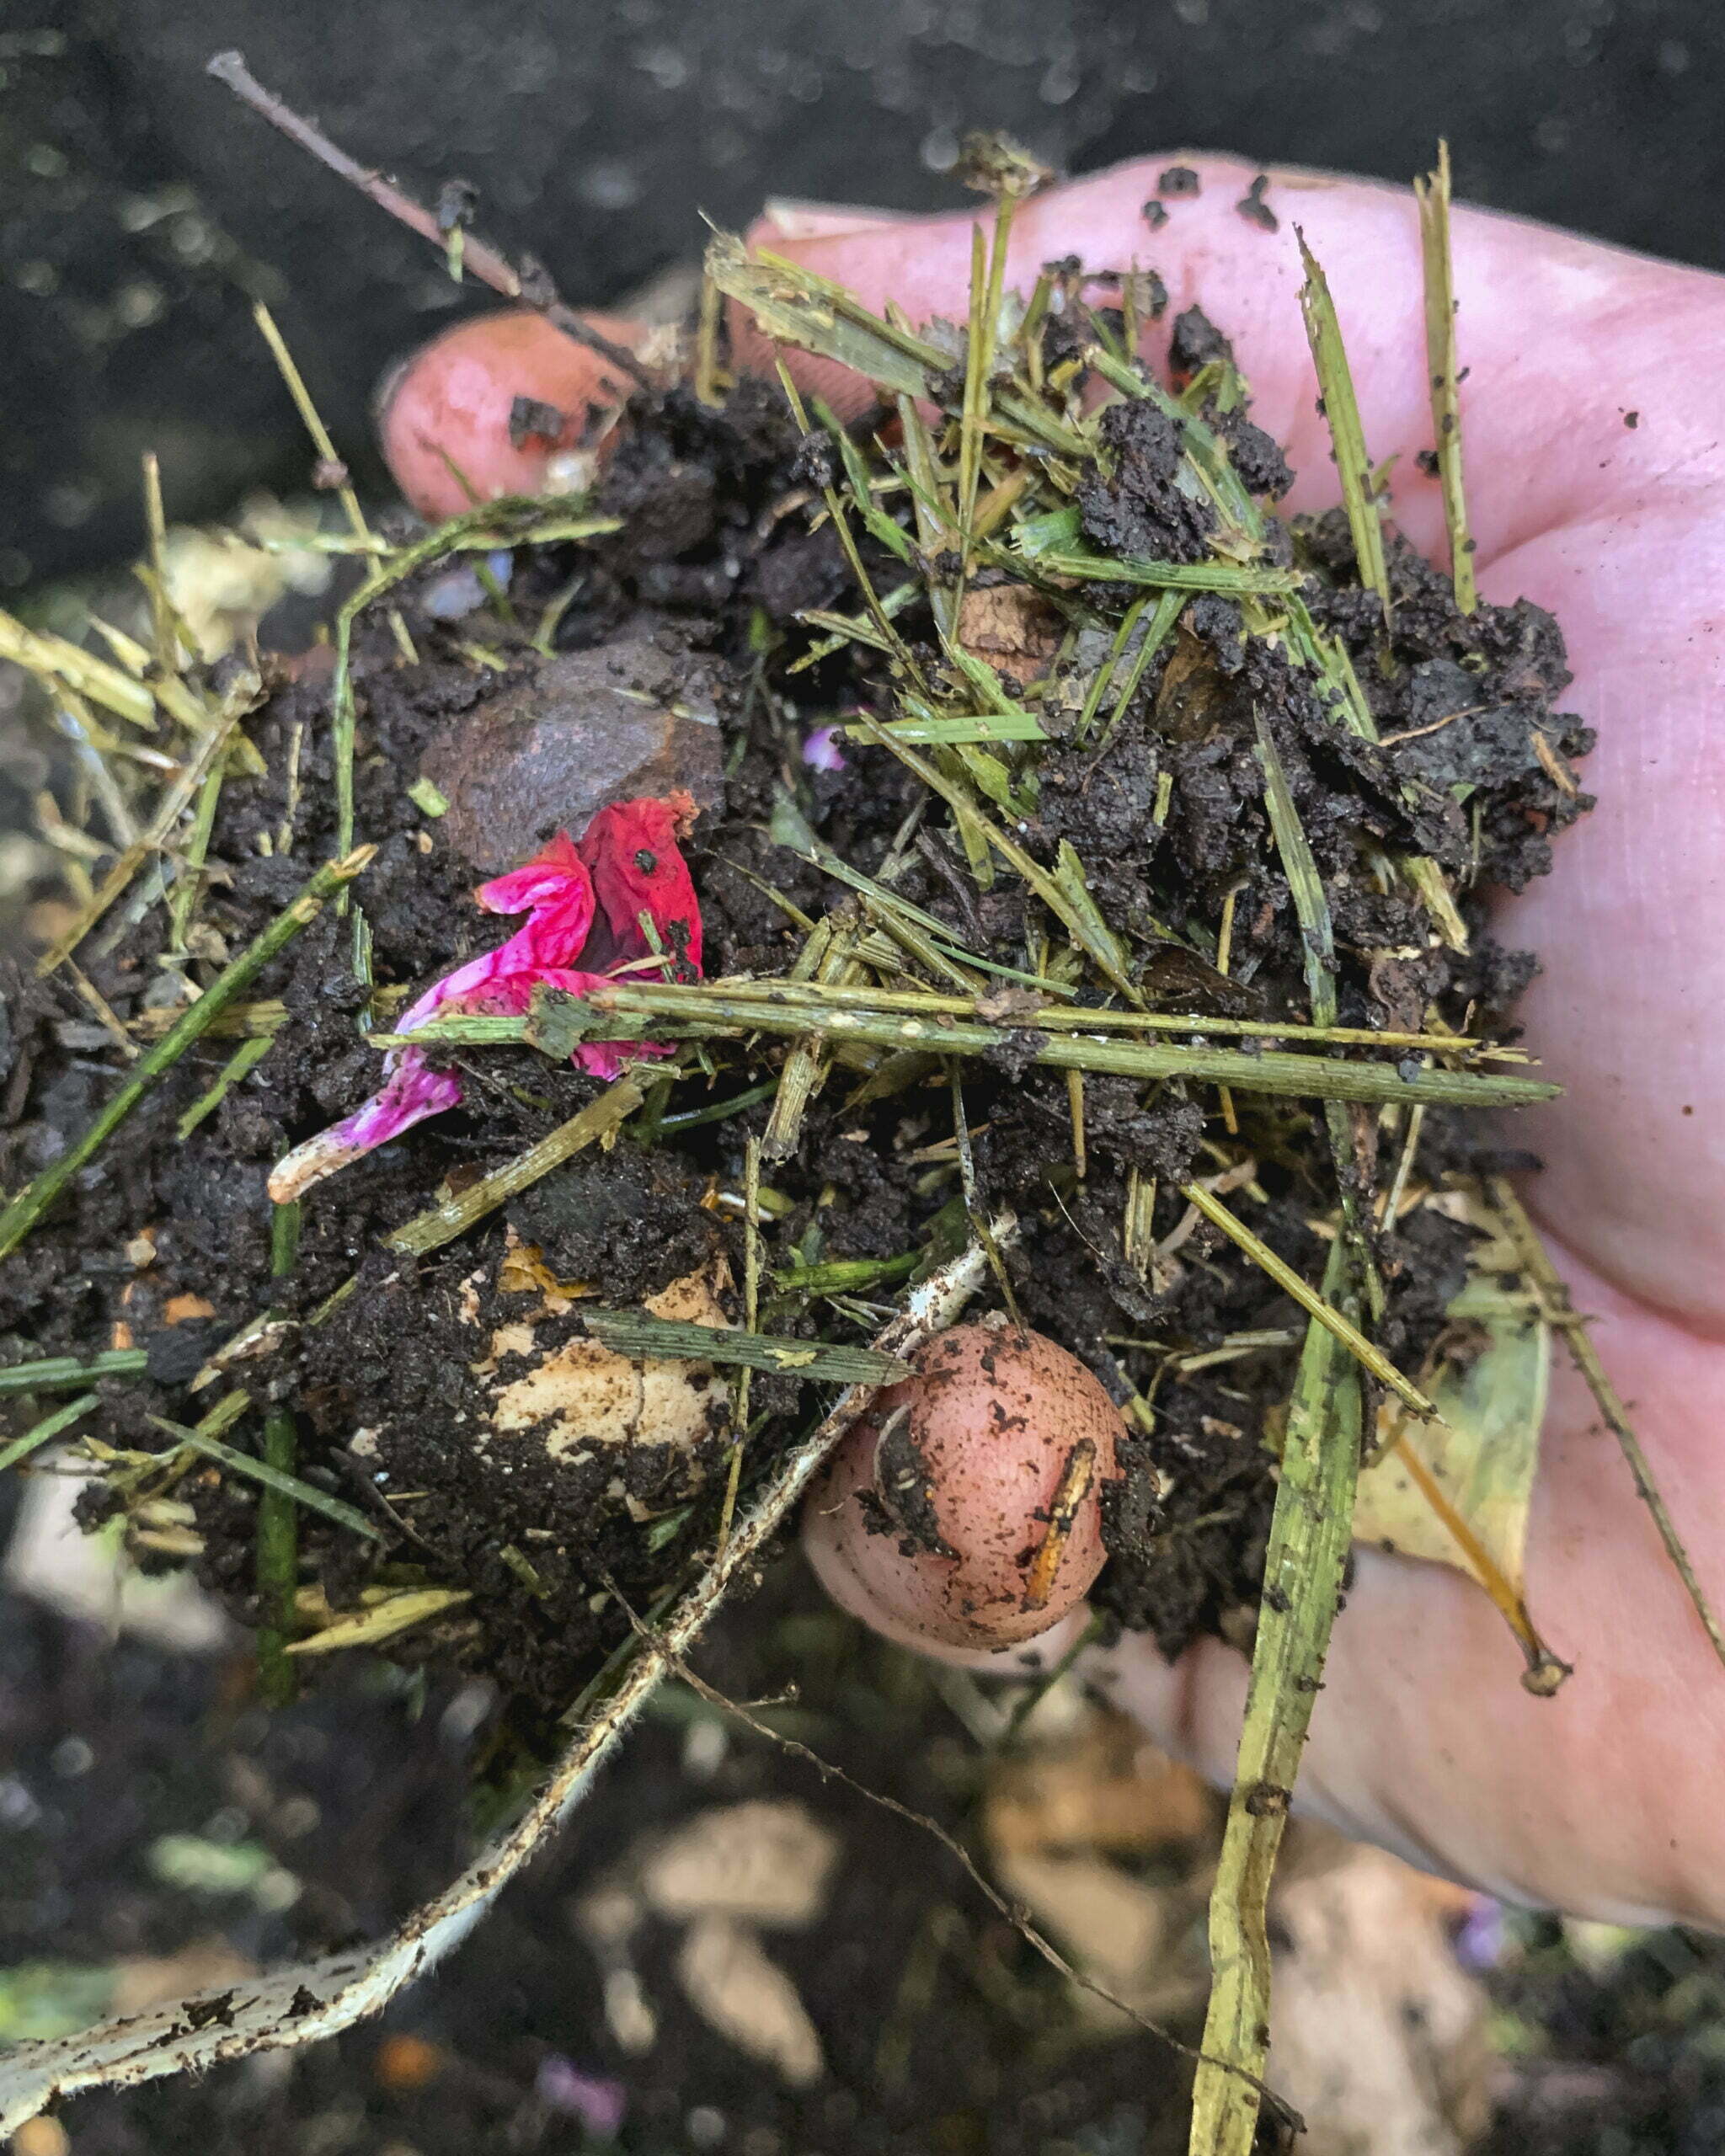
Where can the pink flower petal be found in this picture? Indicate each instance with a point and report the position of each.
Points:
(412, 1092)
(821, 751)
(632, 853)
(627, 864)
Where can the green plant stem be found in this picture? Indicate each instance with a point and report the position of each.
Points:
(59, 1372)
(1433, 195)
(620, 1012)
(278, 1540)
(40, 1434)
(442, 1223)
(33, 1200)
(1318, 941)
(1309, 1532)
(203, 1438)
(1335, 381)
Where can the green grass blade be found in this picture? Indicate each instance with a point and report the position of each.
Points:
(1335, 381)
(1308, 1549)
(1432, 195)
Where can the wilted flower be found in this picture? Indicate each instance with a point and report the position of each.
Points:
(595, 908)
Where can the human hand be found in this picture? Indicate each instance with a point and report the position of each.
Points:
(1602, 1800)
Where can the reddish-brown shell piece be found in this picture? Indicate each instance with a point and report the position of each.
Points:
(450, 405)
(966, 1511)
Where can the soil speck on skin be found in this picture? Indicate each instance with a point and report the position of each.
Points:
(1255, 210)
(1178, 180)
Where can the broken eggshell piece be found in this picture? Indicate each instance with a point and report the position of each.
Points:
(579, 1397)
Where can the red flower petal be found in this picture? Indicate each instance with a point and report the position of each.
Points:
(631, 851)
(627, 864)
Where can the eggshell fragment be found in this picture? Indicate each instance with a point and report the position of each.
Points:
(966, 1510)
(451, 403)
(581, 1394)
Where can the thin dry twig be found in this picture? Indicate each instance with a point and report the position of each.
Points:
(534, 289)
(1012, 1911)
(1561, 1312)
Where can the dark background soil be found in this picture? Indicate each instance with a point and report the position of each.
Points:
(141, 208)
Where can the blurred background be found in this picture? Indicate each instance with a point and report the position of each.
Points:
(156, 1829)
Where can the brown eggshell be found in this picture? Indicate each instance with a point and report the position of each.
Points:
(450, 404)
(967, 1484)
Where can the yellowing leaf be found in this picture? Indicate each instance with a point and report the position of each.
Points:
(1483, 1455)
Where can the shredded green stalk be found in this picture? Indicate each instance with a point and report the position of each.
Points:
(1318, 938)
(278, 1538)
(1432, 195)
(1310, 1532)
(203, 1438)
(245, 1059)
(558, 1023)
(60, 1373)
(1335, 381)
(41, 1433)
(442, 1223)
(633, 1332)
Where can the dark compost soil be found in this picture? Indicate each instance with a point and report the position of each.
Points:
(691, 607)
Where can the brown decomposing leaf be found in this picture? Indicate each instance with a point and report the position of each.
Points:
(1010, 628)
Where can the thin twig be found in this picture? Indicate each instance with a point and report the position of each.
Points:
(534, 291)
(752, 1323)
(314, 1999)
(1560, 1311)
(1013, 1914)
(1544, 1671)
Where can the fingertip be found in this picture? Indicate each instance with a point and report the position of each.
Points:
(452, 417)
(1191, 1706)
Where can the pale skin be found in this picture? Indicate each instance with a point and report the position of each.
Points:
(1606, 1800)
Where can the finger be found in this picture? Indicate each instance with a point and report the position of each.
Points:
(1551, 326)
(453, 418)
(1602, 1800)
